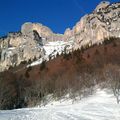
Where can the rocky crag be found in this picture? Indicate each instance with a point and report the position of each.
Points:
(103, 22)
(27, 45)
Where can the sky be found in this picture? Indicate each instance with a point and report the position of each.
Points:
(56, 14)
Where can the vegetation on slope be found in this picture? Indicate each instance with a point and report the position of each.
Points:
(75, 73)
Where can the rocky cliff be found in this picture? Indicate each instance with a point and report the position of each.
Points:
(103, 22)
(28, 44)
(17, 47)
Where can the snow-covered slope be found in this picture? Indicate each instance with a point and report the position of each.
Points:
(52, 49)
(100, 106)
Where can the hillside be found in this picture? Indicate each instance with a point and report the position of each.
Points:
(71, 73)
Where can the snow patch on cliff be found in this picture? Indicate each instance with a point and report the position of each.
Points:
(52, 49)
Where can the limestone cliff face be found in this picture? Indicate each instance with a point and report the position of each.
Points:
(42, 30)
(25, 45)
(103, 22)
(17, 47)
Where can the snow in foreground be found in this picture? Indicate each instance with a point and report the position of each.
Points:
(100, 106)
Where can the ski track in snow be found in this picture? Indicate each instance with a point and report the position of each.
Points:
(100, 106)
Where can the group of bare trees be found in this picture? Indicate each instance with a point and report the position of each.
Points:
(58, 86)
(112, 75)
(31, 93)
(7, 93)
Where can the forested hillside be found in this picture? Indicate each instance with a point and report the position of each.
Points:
(75, 74)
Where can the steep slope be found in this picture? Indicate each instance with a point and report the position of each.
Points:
(70, 73)
(103, 22)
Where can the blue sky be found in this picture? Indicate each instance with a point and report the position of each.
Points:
(56, 14)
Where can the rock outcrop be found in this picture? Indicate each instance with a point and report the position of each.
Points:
(42, 30)
(17, 47)
(103, 22)
(26, 45)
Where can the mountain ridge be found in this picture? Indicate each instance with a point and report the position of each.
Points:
(28, 44)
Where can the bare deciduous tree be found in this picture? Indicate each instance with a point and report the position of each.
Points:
(112, 74)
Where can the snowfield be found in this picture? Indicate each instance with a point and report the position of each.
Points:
(52, 49)
(100, 106)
